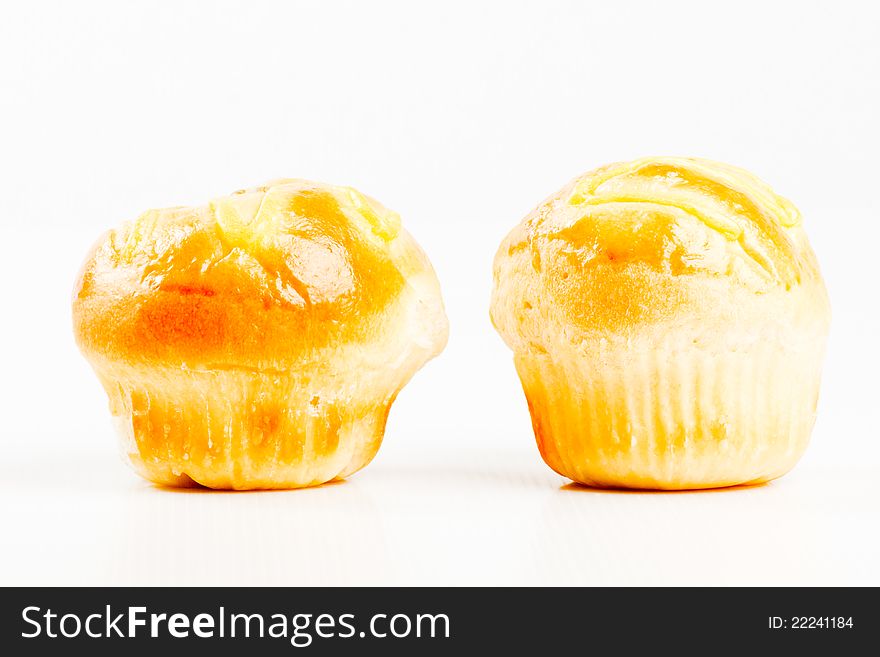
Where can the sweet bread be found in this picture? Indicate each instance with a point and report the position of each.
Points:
(257, 341)
(668, 322)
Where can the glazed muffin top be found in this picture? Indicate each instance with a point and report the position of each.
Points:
(656, 240)
(261, 278)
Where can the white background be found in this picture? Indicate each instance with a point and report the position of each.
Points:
(462, 117)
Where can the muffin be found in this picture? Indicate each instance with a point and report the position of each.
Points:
(668, 322)
(257, 341)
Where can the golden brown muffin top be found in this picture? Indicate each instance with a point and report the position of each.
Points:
(256, 279)
(652, 240)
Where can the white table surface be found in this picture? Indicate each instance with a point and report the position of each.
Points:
(416, 518)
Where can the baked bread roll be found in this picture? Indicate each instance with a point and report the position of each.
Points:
(257, 341)
(668, 322)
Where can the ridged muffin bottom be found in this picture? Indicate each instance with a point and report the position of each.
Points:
(670, 414)
(239, 429)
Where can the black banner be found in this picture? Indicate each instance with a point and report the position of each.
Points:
(408, 621)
